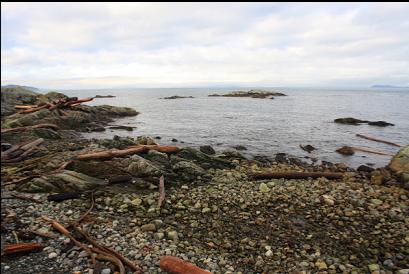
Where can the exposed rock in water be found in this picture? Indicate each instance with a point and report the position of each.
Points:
(128, 128)
(364, 168)
(354, 121)
(239, 147)
(117, 142)
(380, 123)
(144, 140)
(346, 150)
(307, 148)
(254, 93)
(174, 140)
(349, 121)
(104, 96)
(207, 150)
(177, 97)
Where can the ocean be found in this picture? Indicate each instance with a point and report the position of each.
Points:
(265, 126)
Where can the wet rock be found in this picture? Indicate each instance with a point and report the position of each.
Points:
(231, 155)
(380, 123)
(239, 147)
(308, 148)
(349, 121)
(207, 150)
(346, 150)
(144, 140)
(281, 158)
(174, 140)
(177, 97)
(364, 168)
(264, 188)
(127, 128)
(104, 96)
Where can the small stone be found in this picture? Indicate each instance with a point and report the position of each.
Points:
(159, 236)
(52, 255)
(269, 253)
(83, 254)
(106, 271)
(373, 267)
(328, 200)
(321, 265)
(6, 267)
(148, 227)
(136, 202)
(376, 201)
(173, 235)
(388, 263)
(403, 271)
(304, 264)
(205, 210)
(264, 188)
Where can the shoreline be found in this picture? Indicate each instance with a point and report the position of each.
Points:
(211, 208)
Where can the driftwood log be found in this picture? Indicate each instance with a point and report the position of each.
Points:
(63, 103)
(21, 248)
(20, 152)
(174, 265)
(295, 175)
(378, 140)
(108, 154)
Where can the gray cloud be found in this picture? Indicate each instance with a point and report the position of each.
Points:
(75, 45)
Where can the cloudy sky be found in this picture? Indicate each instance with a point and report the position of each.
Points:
(91, 45)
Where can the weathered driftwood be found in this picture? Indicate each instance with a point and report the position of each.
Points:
(21, 129)
(378, 140)
(108, 154)
(30, 110)
(161, 191)
(21, 248)
(67, 102)
(346, 150)
(174, 265)
(20, 152)
(295, 175)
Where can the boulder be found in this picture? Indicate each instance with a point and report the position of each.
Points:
(308, 148)
(140, 167)
(202, 159)
(346, 150)
(143, 140)
(364, 168)
(400, 164)
(188, 171)
(11, 96)
(65, 181)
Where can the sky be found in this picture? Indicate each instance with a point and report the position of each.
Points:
(119, 45)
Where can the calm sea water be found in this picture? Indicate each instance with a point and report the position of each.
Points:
(265, 126)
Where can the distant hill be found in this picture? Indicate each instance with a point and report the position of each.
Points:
(387, 86)
(24, 87)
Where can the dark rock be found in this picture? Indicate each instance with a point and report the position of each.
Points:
(202, 159)
(207, 150)
(239, 147)
(188, 171)
(349, 121)
(128, 128)
(104, 96)
(177, 97)
(232, 155)
(346, 150)
(5, 146)
(281, 158)
(117, 142)
(254, 93)
(380, 123)
(144, 140)
(47, 133)
(364, 168)
(96, 129)
(174, 140)
(17, 95)
(307, 148)
(158, 137)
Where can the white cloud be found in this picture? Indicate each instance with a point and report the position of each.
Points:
(75, 45)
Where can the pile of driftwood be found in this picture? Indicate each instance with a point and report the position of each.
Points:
(59, 104)
(20, 152)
